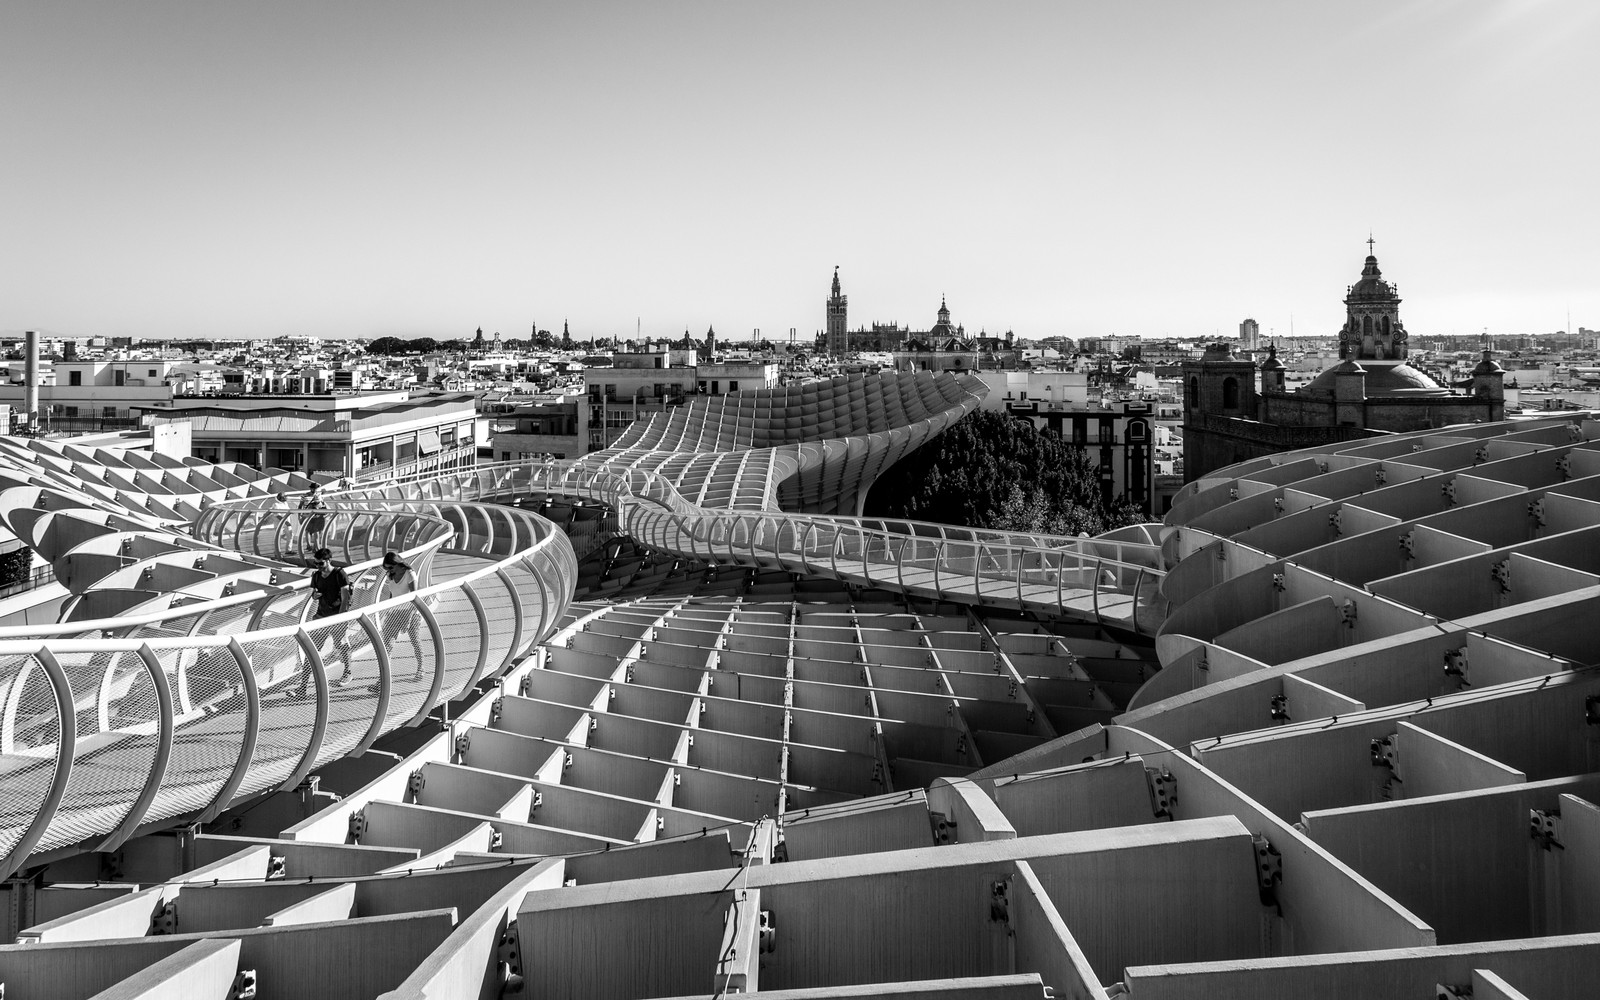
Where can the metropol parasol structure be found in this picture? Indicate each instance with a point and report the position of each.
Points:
(674, 720)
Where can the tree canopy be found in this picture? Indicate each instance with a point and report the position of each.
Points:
(992, 470)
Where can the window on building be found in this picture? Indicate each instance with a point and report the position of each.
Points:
(108, 411)
(611, 390)
(1194, 393)
(75, 378)
(703, 389)
(121, 376)
(152, 373)
(733, 385)
(69, 411)
(1230, 393)
(1024, 397)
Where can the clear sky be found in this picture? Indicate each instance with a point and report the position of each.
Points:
(1078, 168)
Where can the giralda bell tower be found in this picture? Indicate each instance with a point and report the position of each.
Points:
(836, 339)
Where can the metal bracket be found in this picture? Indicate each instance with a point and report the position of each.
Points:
(509, 954)
(1455, 663)
(1448, 492)
(1347, 613)
(1408, 544)
(1000, 901)
(1278, 583)
(767, 932)
(277, 867)
(944, 828)
(1386, 752)
(495, 708)
(1542, 827)
(1269, 869)
(1333, 522)
(358, 826)
(165, 920)
(244, 985)
(1279, 708)
(1380, 476)
(416, 782)
(1163, 791)
(1501, 573)
(1536, 511)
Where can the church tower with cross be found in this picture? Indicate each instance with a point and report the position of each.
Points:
(1372, 390)
(1372, 329)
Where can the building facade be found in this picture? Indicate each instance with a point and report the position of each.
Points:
(350, 436)
(1249, 335)
(1231, 416)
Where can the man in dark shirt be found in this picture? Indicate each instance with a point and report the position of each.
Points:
(332, 588)
(331, 584)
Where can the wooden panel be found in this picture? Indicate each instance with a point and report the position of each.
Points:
(975, 815)
(1082, 798)
(861, 830)
(1027, 986)
(203, 970)
(465, 966)
(1044, 944)
(126, 915)
(1579, 881)
(1433, 765)
(1546, 967)
(308, 857)
(668, 857)
(1487, 985)
(336, 903)
(1462, 863)
(248, 904)
(1326, 905)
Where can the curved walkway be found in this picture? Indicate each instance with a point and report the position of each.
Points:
(183, 674)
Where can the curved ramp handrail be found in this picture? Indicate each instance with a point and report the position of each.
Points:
(1112, 582)
(103, 737)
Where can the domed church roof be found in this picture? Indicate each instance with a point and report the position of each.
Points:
(1384, 378)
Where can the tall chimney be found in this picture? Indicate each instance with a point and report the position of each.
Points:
(31, 393)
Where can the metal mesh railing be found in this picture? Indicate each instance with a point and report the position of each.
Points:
(179, 708)
(1110, 582)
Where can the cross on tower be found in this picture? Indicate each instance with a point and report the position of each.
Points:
(1370, 241)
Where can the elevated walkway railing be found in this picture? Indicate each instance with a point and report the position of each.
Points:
(1111, 582)
(170, 717)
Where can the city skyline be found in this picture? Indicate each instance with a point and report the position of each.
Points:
(1076, 170)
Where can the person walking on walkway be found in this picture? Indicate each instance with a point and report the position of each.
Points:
(331, 587)
(313, 502)
(401, 579)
